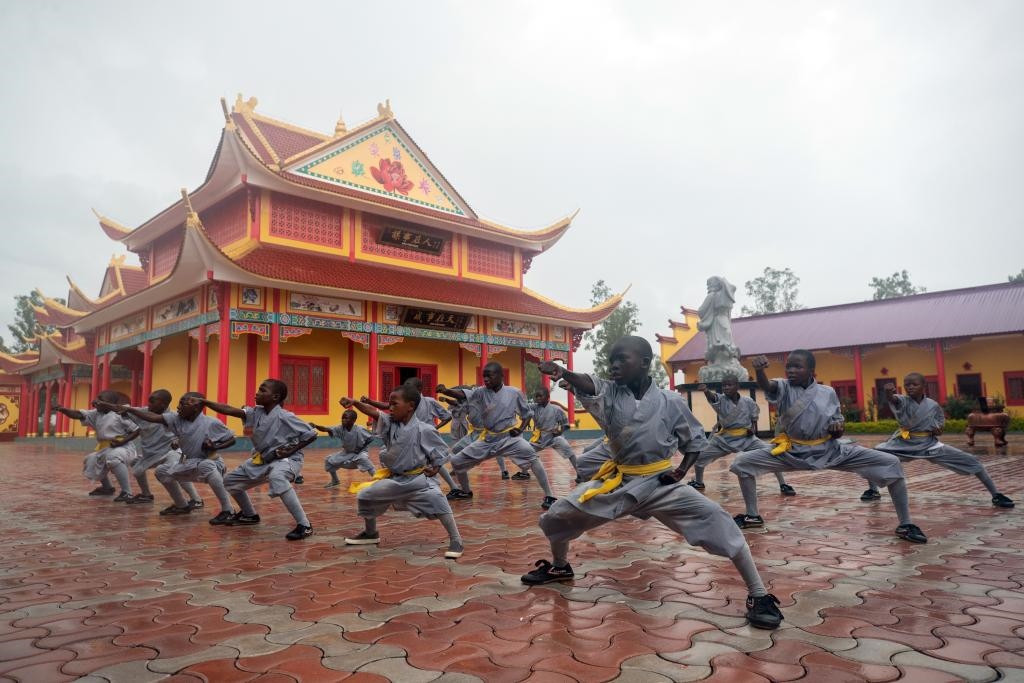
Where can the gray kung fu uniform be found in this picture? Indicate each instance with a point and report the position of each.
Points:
(270, 430)
(459, 423)
(194, 464)
(642, 432)
(547, 420)
(498, 411)
(741, 414)
(592, 457)
(925, 417)
(108, 426)
(155, 442)
(430, 409)
(354, 453)
(410, 446)
(806, 413)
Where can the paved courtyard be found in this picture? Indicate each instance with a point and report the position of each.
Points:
(105, 591)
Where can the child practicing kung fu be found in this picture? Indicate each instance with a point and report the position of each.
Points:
(114, 450)
(807, 434)
(414, 453)
(921, 421)
(549, 423)
(645, 426)
(737, 430)
(355, 445)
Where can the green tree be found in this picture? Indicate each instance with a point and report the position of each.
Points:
(773, 292)
(658, 373)
(623, 321)
(896, 285)
(534, 380)
(3, 346)
(25, 326)
(1019, 277)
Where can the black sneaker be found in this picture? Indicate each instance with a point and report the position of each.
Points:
(223, 518)
(300, 480)
(504, 475)
(763, 612)
(787, 490)
(547, 573)
(459, 494)
(363, 538)
(579, 480)
(174, 510)
(912, 533)
(454, 552)
(699, 485)
(196, 504)
(332, 484)
(870, 495)
(521, 476)
(123, 497)
(749, 521)
(299, 532)
(141, 499)
(1001, 501)
(241, 519)
(548, 502)
(102, 491)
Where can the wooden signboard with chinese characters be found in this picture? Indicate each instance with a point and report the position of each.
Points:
(408, 239)
(438, 320)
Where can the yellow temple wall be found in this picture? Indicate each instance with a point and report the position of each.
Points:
(170, 359)
(991, 357)
(898, 360)
(320, 344)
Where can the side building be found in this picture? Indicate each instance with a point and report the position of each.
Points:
(342, 263)
(966, 342)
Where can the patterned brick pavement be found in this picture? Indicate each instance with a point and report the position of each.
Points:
(104, 591)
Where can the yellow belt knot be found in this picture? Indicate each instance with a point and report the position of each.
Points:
(784, 442)
(382, 473)
(102, 446)
(536, 436)
(611, 474)
(484, 433)
(734, 431)
(906, 434)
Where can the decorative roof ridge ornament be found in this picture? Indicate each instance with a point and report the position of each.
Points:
(229, 125)
(340, 128)
(384, 110)
(191, 217)
(245, 106)
(109, 224)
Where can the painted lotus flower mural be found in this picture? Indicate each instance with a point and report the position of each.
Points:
(391, 175)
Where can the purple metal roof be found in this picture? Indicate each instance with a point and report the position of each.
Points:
(974, 311)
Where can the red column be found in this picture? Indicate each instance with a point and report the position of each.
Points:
(32, 412)
(351, 367)
(940, 371)
(108, 360)
(147, 369)
(572, 396)
(48, 408)
(275, 340)
(546, 379)
(137, 388)
(522, 370)
(65, 400)
(58, 419)
(23, 406)
(251, 350)
(202, 361)
(858, 376)
(94, 386)
(223, 348)
(484, 349)
(460, 366)
(374, 367)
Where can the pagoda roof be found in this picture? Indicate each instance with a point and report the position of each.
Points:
(123, 279)
(15, 363)
(950, 314)
(259, 151)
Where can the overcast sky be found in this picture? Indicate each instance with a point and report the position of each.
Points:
(843, 140)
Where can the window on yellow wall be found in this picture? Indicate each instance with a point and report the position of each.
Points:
(306, 377)
(1014, 385)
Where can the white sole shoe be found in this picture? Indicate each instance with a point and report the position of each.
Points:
(362, 541)
(453, 554)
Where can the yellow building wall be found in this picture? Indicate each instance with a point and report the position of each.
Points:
(991, 357)
(170, 359)
(321, 344)
(79, 401)
(899, 360)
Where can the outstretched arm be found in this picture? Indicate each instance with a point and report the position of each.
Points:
(365, 408)
(767, 385)
(222, 408)
(379, 405)
(70, 412)
(142, 414)
(321, 428)
(122, 440)
(576, 381)
(457, 394)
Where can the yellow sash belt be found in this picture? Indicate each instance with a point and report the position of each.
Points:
(484, 433)
(611, 474)
(382, 473)
(906, 434)
(784, 442)
(735, 431)
(257, 458)
(102, 446)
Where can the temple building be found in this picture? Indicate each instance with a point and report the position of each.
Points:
(343, 263)
(966, 342)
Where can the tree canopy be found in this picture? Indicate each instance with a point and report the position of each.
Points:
(774, 291)
(625, 320)
(896, 285)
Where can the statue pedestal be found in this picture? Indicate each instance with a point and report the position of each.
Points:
(703, 411)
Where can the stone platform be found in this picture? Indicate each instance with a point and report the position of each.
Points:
(105, 591)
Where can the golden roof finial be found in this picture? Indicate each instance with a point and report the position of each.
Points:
(340, 128)
(384, 110)
(191, 218)
(245, 106)
(117, 260)
(229, 124)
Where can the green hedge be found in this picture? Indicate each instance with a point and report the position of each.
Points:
(890, 426)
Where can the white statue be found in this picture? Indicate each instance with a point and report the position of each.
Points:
(715, 322)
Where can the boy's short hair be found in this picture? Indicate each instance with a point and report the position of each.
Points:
(192, 394)
(806, 355)
(638, 344)
(495, 365)
(278, 387)
(409, 393)
(416, 382)
(348, 413)
(109, 396)
(915, 375)
(162, 393)
(544, 391)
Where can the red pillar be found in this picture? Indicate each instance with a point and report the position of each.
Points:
(483, 360)
(223, 348)
(202, 361)
(374, 367)
(147, 369)
(48, 408)
(23, 404)
(858, 376)
(94, 386)
(275, 339)
(546, 379)
(32, 411)
(108, 360)
(136, 388)
(351, 367)
(251, 350)
(572, 396)
(460, 366)
(940, 371)
(522, 370)
(58, 419)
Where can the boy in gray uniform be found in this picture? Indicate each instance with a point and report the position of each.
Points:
(114, 450)
(549, 423)
(157, 445)
(921, 421)
(199, 438)
(645, 426)
(737, 431)
(807, 430)
(355, 445)
(278, 437)
(460, 424)
(497, 406)
(414, 453)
